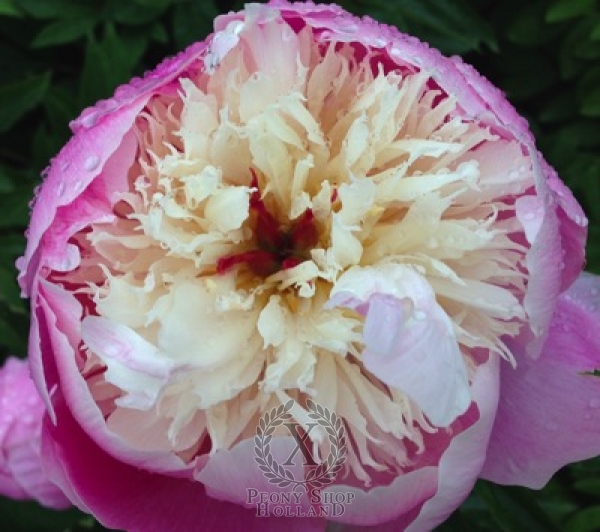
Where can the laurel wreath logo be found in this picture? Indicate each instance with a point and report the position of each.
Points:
(325, 472)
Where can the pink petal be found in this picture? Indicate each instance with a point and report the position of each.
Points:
(461, 463)
(549, 412)
(21, 473)
(129, 498)
(230, 473)
(60, 325)
(409, 340)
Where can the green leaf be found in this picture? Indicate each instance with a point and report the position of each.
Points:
(453, 26)
(28, 516)
(158, 33)
(109, 63)
(192, 21)
(586, 520)
(595, 373)
(61, 107)
(132, 13)
(14, 207)
(568, 9)
(10, 294)
(154, 4)
(595, 34)
(589, 485)
(63, 31)
(6, 182)
(20, 97)
(7, 7)
(590, 105)
(527, 26)
(515, 509)
(559, 108)
(11, 247)
(45, 9)
(588, 50)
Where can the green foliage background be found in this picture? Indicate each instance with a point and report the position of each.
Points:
(59, 56)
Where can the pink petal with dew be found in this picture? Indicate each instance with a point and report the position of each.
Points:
(21, 472)
(129, 498)
(74, 168)
(573, 229)
(409, 339)
(100, 131)
(549, 411)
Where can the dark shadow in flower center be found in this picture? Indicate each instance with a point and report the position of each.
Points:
(277, 247)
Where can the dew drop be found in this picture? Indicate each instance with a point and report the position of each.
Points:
(419, 315)
(91, 163)
(595, 403)
(594, 291)
(89, 120)
(529, 216)
(61, 189)
(64, 166)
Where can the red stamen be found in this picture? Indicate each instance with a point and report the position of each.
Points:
(267, 229)
(259, 261)
(291, 262)
(304, 235)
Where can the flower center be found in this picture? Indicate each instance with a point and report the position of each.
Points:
(278, 247)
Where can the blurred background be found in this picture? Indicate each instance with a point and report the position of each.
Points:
(59, 56)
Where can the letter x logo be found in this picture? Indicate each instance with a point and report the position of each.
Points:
(301, 437)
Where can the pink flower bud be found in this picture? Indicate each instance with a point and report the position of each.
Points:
(21, 411)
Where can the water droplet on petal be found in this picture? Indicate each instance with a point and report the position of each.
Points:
(91, 163)
(529, 216)
(61, 189)
(595, 403)
(89, 120)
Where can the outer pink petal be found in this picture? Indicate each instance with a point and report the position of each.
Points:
(21, 473)
(549, 412)
(129, 498)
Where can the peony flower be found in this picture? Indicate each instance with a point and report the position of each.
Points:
(306, 206)
(21, 472)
